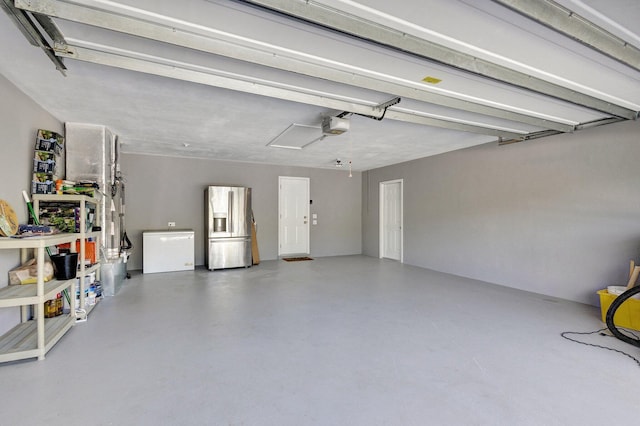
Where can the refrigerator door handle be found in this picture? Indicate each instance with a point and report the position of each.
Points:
(231, 218)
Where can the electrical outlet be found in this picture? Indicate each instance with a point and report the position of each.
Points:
(171, 224)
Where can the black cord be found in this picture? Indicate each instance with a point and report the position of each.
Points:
(384, 111)
(601, 332)
(617, 302)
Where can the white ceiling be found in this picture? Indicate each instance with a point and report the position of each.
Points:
(222, 79)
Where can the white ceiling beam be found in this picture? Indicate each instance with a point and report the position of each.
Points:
(25, 24)
(326, 16)
(565, 21)
(136, 61)
(209, 40)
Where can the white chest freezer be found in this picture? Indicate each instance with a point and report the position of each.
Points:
(167, 251)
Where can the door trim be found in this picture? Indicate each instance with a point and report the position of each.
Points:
(381, 219)
(308, 209)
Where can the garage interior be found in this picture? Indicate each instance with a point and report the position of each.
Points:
(511, 124)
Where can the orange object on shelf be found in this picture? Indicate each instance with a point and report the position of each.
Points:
(89, 251)
(89, 248)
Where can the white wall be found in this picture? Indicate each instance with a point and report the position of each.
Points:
(558, 216)
(163, 189)
(20, 119)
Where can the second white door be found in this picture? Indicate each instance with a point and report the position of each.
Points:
(293, 201)
(391, 219)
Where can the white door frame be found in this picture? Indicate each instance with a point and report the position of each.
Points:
(381, 221)
(308, 227)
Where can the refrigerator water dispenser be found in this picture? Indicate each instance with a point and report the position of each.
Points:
(219, 222)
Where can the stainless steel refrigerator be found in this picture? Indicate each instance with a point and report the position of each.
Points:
(228, 226)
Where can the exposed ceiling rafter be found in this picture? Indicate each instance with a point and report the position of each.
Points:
(196, 37)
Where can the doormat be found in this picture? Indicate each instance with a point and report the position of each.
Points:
(295, 259)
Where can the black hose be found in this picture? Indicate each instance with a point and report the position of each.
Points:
(618, 301)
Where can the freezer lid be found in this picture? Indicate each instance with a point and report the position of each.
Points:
(176, 232)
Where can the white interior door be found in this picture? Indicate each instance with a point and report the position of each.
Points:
(391, 219)
(293, 223)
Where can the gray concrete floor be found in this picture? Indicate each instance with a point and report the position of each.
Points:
(334, 341)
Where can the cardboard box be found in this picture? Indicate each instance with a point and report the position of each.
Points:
(627, 315)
